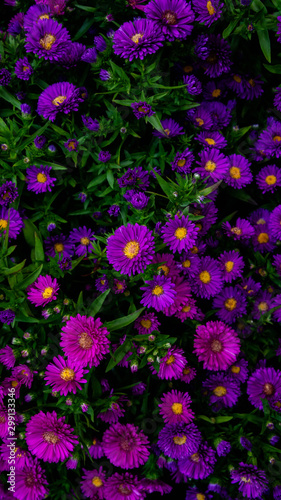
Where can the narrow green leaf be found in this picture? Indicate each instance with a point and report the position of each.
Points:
(39, 252)
(79, 304)
(154, 120)
(86, 8)
(9, 97)
(116, 324)
(85, 26)
(264, 40)
(26, 319)
(119, 354)
(230, 28)
(210, 189)
(15, 269)
(165, 186)
(276, 69)
(97, 304)
(30, 279)
(220, 420)
(110, 178)
(29, 231)
(98, 180)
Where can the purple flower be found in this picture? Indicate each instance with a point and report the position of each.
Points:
(92, 484)
(100, 43)
(263, 383)
(39, 179)
(269, 141)
(171, 366)
(239, 174)
(114, 210)
(141, 109)
(211, 140)
(16, 24)
(60, 244)
(159, 293)
(89, 56)
(252, 481)
(11, 217)
(231, 304)
(7, 357)
(64, 376)
(83, 237)
(200, 464)
(193, 85)
(170, 129)
(7, 317)
(102, 283)
(23, 69)
(90, 124)
(5, 77)
(231, 264)
(43, 290)
(223, 391)
(71, 55)
(25, 109)
(239, 370)
(61, 97)
(40, 141)
(137, 39)
(104, 75)
(215, 54)
(277, 99)
(8, 193)
(269, 178)
(120, 486)
(47, 39)
(182, 162)
(208, 12)
(172, 17)
(49, 437)
(35, 14)
(179, 234)
(82, 197)
(207, 281)
(146, 324)
(71, 145)
(241, 230)
(125, 446)
(217, 345)
(223, 448)
(179, 440)
(200, 117)
(175, 408)
(31, 482)
(263, 240)
(253, 88)
(104, 156)
(166, 265)
(130, 249)
(246, 443)
(212, 163)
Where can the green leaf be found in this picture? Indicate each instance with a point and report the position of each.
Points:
(39, 252)
(85, 7)
(210, 189)
(30, 279)
(154, 120)
(120, 72)
(96, 181)
(257, 6)
(26, 319)
(97, 304)
(9, 97)
(220, 420)
(110, 178)
(243, 196)
(230, 28)
(79, 304)
(29, 231)
(15, 269)
(119, 354)
(276, 69)
(85, 26)
(116, 324)
(207, 419)
(125, 102)
(165, 186)
(264, 40)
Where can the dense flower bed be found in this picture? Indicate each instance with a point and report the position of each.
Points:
(140, 265)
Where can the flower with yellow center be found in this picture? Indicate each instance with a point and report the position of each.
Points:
(277, 138)
(235, 173)
(59, 100)
(237, 78)
(210, 166)
(230, 304)
(177, 408)
(216, 93)
(236, 230)
(205, 277)
(263, 238)
(235, 369)
(186, 309)
(47, 292)
(180, 440)
(165, 269)
(270, 180)
(210, 141)
(58, 247)
(85, 341)
(131, 249)
(210, 8)
(200, 496)
(180, 233)
(181, 163)
(186, 263)
(200, 121)
(229, 265)
(47, 41)
(3, 224)
(50, 437)
(96, 481)
(67, 374)
(42, 178)
(263, 306)
(219, 391)
(146, 323)
(84, 241)
(157, 290)
(171, 359)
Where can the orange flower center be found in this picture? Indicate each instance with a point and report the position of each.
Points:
(131, 249)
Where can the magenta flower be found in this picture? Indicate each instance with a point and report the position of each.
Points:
(172, 364)
(217, 345)
(200, 464)
(31, 482)
(7, 357)
(231, 264)
(179, 234)
(125, 446)
(49, 437)
(179, 440)
(263, 383)
(175, 407)
(158, 293)
(145, 324)
(11, 217)
(167, 265)
(92, 484)
(241, 230)
(130, 249)
(120, 486)
(84, 341)
(39, 179)
(43, 291)
(252, 481)
(64, 377)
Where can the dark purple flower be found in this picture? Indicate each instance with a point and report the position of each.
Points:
(83, 237)
(71, 54)
(62, 97)
(120, 486)
(223, 448)
(139, 200)
(114, 210)
(35, 14)
(16, 24)
(269, 178)
(179, 234)
(182, 162)
(25, 109)
(31, 481)
(170, 129)
(5, 77)
(47, 39)
(179, 440)
(137, 39)
(252, 481)
(39, 179)
(215, 53)
(275, 222)
(159, 293)
(213, 163)
(208, 12)
(100, 43)
(8, 193)
(172, 17)
(71, 145)
(40, 141)
(241, 230)
(231, 304)
(193, 85)
(269, 141)
(59, 244)
(263, 383)
(89, 55)
(104, 156)
(12, 217)
(90, 124)
(239, 174)
(104, 75)
(246, 443)
(200, 464)
(7, 317)
(141, 109)
(207, 281)
(232, 265)
(223, 391)
(211, 139)
(23, 69)
(200, 117)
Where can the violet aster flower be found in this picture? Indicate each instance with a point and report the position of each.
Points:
(39, 179)
(175, 407)
(182, 162)
(223, 391)
(213, 163)
(239, 371)
(275, 222)
(40, 141)
(277, 99)
(252, 481)
(207, 281)
(217, 345)
(200, 464)
(120, 486)
(269, 141)
(89, 55)
(59, 244)
(137, 39)
(3, 421)
(62, 97)
(8, 193)
(211, 139)
(170, 129)
(277, 492)
(263, 239)
(23, 374)
(43, 291)
(208, 12)
(263, 383)
(125, 446)
(104, 156)
(239, 174)
(84, 340)
(21, 456)
(259, 217)
(11, 217)
(141, 109)
(96, 450)
(179, 234)
(193, 85)
(57, 6)
(159, 293)
(5, 77)
(49, 437)
(70, 56)
(167, 265)
(130, 249)
(104, 75)
(220, 113)
(182, 289)
(47, 39)
(7, 317)
(31, 481)
(231, 264)
(139, 200)
(64, 377)
(172, 17)
(92, 484)
(114, 210)
(214, 90)
(277, 263)
(35, 14)
(100, 43)
(216, 59)
(269, 178)
(249, 286)
(241, 230)
(275, 303)
(179, 440)
(16, 24)
(23, 69)
(188, 310)
(189, 263)
(25, 109)
(223, 448)
(90, 124)
(83, 236)
(146, 323)
(119, 286)
(102, 283)
(114, 411)
(246, 443)
(253, 88)
(231, 304)
(200, 117)
(7, 356)
(171, 365)
(71, 145)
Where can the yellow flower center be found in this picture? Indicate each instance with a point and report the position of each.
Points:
(216, 93)
(170, 360)
(157, 290)
(277, 138)
(119, 286)
(235, 369)
(167, 131)
(263, 306)
(261, 221)
(251, 82)
(186, 371)
(85, 341)
(216, 346)
(14, 383)
(235, 172)
(47, 41)
(131, 249)
(170, 16)
(180, 233)
(230, 304)
(210, 141)
(59, 100)
(237, 79)
(268, 389)
(96, 481)
(270, 180)
(25, 68)
(186, 309)
(71, 145)
(3, 223)
(245, 479)
(199, 121)
(177, 408)
(194, 249)
(67, 374)
(210, 8)
(41, 178)
(58, 247)
(263, 238)
(47, 293)
(188, 69)
(186, 263)
(85, 241)
(146, 323)
(205, 277)
(195, 457)
(220, 391)
(94, 441)
(179, 440)
(210, 166)
(50, 437)
(181, 163)
(44, 16)
(164, 268)
(142, 110)
(229, 265)
(236, 230)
